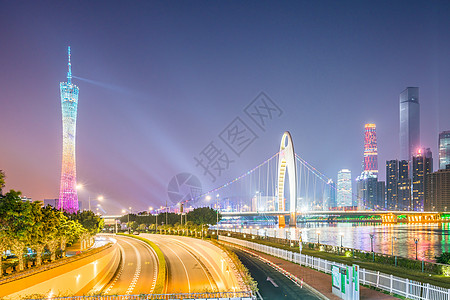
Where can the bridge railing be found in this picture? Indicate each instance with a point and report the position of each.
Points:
(407, 288)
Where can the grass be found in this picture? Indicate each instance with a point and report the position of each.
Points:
(162, 269)
(438, 280)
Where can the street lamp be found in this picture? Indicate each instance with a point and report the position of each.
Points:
(217, 207)
(392, 246)
(318, 238)
(416, 240)
(371, 241)
(128, 224)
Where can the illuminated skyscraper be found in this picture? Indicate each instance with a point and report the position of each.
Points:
(404, 186)
(409, 123)
(392, 184)
(370, 149)
(369, 191)
(422, 165)
(344, 188)
(68, 198)
(444, 149)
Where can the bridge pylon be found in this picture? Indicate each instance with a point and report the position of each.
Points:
(286, 165)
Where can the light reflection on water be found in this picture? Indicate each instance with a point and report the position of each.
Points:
(433, 238)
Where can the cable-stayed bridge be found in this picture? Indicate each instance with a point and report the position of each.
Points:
(286, 185)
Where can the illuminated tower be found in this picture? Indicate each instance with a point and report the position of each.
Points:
(370, 148)
(68, 198)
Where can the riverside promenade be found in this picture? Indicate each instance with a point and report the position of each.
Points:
(319, 281)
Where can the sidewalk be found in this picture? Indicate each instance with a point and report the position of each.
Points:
(318, 280)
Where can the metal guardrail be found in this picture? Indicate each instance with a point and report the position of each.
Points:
(244, 295)
(407, 288)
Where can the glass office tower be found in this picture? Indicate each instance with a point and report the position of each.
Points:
(409, 123)
(444, 149)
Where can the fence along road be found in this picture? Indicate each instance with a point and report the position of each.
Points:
(401, 286)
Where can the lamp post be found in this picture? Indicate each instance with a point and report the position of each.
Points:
(217, 207)
(416, 241)
(392, 244)
(371, 241)
(318, 238)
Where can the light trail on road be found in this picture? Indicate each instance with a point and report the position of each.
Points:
(139, 269)
(201, 267)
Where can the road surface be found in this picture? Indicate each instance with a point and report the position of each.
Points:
(195, 265)
(139, 269)
(271, 283)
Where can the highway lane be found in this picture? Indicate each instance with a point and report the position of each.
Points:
(138, 271)
(195, 265)
(271, 283)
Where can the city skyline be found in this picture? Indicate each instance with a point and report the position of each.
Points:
(156, 92)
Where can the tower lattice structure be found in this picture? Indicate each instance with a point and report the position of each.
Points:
(68, 198)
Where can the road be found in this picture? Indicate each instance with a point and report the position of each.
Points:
(272, 284)
(138, 271)
(195, 265)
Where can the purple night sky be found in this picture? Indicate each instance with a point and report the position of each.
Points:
(166, 77)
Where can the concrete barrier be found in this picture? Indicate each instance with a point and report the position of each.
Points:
(74, 278)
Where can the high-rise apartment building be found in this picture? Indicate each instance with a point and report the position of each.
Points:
(392, 184)
(68, 197)
(344, 188)
(422, 165)
(409, 123)
(404, 186)
(444, 149)
(437, 191)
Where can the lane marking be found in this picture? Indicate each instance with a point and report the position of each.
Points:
(120, 271)
(184, 266)
(137, 273)
(221, 275)
(207, 272)
(271, 281)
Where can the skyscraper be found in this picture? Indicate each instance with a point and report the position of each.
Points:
(329, 195)
(444, 149)
(368, 196)
(370, 149)
(422, 165)
(392, 184)
(68, 198)
(404, 186)
(344, 188)
(437, 190)
(409, 123)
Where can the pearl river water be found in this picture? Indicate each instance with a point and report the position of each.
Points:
(396, 239)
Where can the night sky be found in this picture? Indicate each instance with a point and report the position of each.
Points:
(160, 80)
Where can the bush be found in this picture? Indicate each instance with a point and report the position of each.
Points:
(444, 258)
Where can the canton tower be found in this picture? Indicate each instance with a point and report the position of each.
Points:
(68, 198)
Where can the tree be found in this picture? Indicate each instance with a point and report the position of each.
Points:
(2, 181)
(92, 222)
(142, 227)
(17, 221)
(203, 215)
